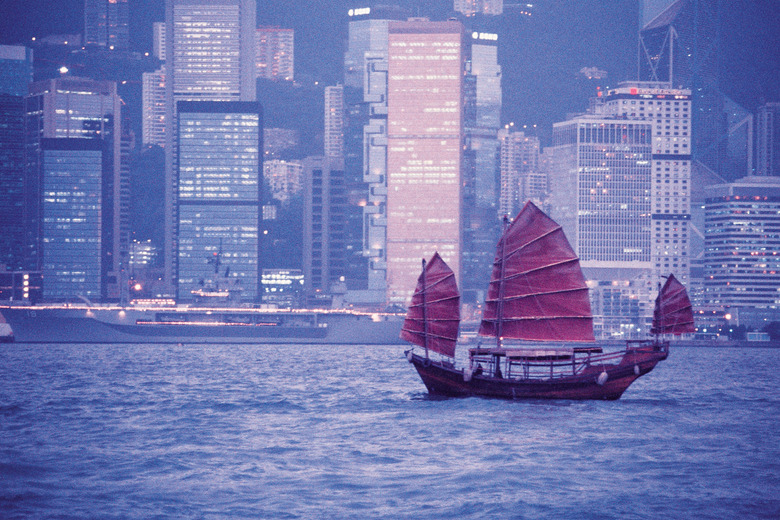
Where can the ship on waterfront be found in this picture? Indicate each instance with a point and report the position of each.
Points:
(69, 323)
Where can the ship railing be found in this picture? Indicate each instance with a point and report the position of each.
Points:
(542, 364)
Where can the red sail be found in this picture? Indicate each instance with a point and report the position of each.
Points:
(537, 290)
(673, 313)
(433, 317)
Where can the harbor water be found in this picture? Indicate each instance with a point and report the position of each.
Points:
(321, 432)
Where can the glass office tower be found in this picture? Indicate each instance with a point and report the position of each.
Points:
(219, 183)
(210, 56)
(72, 175)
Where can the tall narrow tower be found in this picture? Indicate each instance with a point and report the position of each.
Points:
(425, 148)
(334, 121)
(210, 48)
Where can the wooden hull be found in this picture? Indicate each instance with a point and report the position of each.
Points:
(445, 380)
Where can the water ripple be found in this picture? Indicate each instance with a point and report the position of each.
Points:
(308, 432)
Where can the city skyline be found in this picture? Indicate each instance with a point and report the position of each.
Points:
(421, 168)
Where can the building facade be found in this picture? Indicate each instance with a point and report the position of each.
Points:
(275, 53)
(107, 24)
(365, 146)
(71, 212)
(474, 7)
(425, 149)
(482, 119)
(153, 108)
(334, 121)
(16, 65)
(600, 193)
(210, 51)
(742, 247)
(768, 139)
(284, 178)
(620, 186)
(324, 225)
(219, 194)
(12, 176)
(77, 108)
(16, 72)
(670, 112)
(519, 167)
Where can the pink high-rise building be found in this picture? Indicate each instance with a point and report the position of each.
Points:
(425, 147)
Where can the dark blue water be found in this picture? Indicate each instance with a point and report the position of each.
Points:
(99, 431)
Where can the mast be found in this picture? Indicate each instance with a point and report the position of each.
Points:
(655, 331)
(424, 310)
(502, 282)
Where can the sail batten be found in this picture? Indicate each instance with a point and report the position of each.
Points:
(537, 291)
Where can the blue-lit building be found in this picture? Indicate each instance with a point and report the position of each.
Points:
(219, 182)
(209, 56)
(482, 119)
(16, 72)
(16, 69)
(79, 109)
(365, 149)
(72, 178)
(11, 180)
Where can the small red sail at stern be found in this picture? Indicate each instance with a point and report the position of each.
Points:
(673, 313)
(537, 290)
(433, 318)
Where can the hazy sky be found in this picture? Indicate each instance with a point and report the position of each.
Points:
(540, 55)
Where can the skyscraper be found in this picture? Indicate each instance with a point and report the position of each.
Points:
(600, 184)
(425, 149)
(16, 72)
(334, 121)
(153, 107)
(482, 119)
(219, 186)
(324, 224)
(768, 139)
(106, 24)
(365, 147)
(16, 69)
(685, 47)
(72, 215)
(12, 181)
(210, 57)
(742, 248)
(519, 160)
(275, 53)
(77, 108)
(670, 112)
(158, 40)
(620, 183)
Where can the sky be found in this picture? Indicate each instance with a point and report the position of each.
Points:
(540, 56)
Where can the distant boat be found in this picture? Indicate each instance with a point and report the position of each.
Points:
(156, 323)
(6, 334)
(537, 293)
